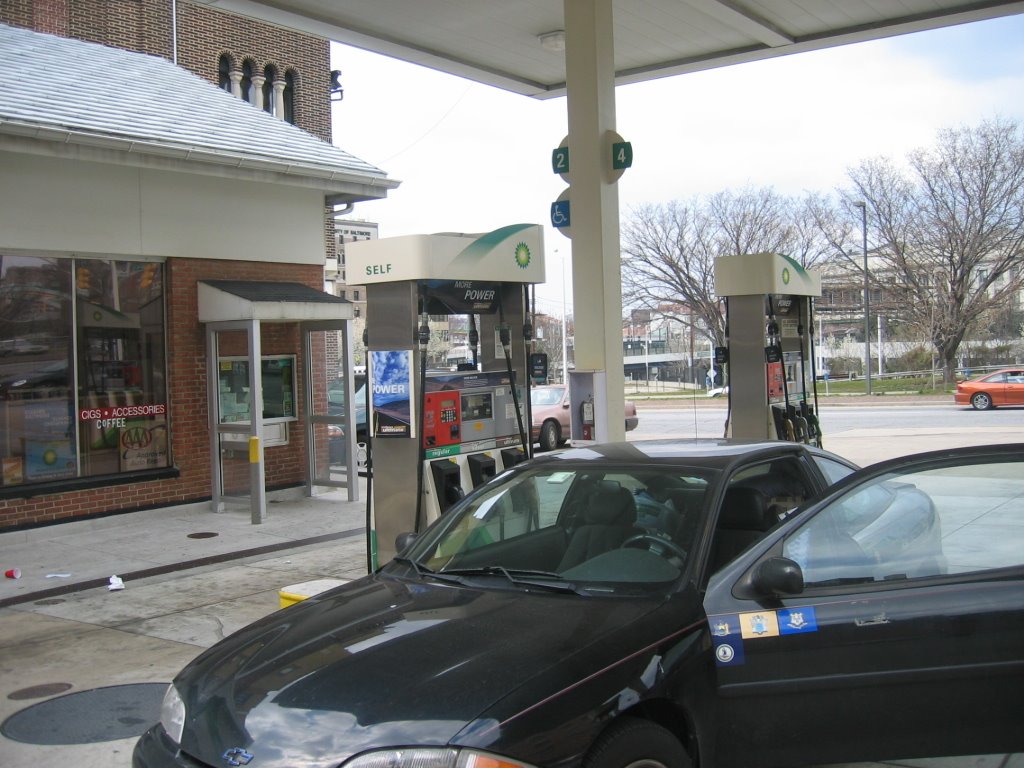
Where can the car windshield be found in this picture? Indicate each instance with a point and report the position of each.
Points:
(585, 529)
(545, 396)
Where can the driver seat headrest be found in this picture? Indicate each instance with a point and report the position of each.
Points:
(610, 504)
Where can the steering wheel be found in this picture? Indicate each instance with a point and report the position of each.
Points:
(664, 547)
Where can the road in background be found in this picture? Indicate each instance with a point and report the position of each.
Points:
(863, 433)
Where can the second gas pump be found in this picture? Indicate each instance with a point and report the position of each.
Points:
(770, 346)
(435, 435)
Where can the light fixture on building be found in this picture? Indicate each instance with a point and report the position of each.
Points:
(337, 91)
(553, 41)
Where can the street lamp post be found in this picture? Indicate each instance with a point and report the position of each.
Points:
(565, 341)
(867, 295)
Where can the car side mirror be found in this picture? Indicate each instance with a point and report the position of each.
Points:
(777, 577)
(565, 405)
(405, 540)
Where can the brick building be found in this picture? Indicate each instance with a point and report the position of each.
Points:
(130, 188)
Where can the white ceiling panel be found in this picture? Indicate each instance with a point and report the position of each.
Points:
(497, 41)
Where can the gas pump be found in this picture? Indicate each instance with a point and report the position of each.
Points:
(769, 311)
(436, 435)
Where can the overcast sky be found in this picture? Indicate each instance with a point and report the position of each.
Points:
(472, 158)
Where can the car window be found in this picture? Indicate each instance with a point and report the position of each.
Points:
(610, 525)
(783, 482)
(833, 470)
(756, 499)
(545, 396)
(513, 511)
(900, 527)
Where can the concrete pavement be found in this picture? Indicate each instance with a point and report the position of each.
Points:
(69, 633)
(192, 577)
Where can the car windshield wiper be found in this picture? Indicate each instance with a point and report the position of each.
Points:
(542, 579)
(421, 570)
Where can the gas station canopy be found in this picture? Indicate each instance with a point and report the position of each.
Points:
(517, 44)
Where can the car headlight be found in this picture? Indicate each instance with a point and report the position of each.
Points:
(431, 757)
(172, 714)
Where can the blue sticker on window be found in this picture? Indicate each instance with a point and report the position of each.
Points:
(725, 625)
(796, 621)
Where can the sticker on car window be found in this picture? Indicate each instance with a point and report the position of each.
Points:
(796, 621)
(759, 624)
(725, 634)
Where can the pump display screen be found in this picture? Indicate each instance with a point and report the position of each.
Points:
(477, 406)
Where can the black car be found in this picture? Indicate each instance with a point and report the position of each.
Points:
(654, 604)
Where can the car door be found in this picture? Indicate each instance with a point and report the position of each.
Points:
(1013, 392)
(885, 621)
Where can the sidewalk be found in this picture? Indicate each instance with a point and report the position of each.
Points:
(69, 557)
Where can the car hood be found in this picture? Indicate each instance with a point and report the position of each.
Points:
(381, 662)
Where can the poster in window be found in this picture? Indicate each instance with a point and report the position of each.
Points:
(143, 444)
(50, 454)
(50, 459)
(392, 401)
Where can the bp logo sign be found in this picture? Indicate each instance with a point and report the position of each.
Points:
(522, 255)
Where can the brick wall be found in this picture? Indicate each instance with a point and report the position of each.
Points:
(204, 34)
(41, 15)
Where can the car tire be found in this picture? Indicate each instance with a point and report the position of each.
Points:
(981, 401)
(635, 743)
(550, 435)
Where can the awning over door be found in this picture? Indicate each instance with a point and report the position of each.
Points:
(232, 300)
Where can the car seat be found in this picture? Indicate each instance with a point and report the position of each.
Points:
(607, 519)
(744, 518)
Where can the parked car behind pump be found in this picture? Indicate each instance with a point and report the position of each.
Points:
(552, 423)
(336, 407)
(1002, 387)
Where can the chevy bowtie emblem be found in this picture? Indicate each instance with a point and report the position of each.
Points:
(237, 756)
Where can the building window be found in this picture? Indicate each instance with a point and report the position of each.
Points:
(269, 75)
(224, 72)
(82, 372)
(289, 97)
(247, 92)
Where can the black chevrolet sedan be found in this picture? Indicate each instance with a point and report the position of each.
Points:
(648, 605)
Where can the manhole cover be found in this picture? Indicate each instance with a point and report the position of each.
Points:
(39, 691)
(203, 535)
(50, 601)
(87, 717)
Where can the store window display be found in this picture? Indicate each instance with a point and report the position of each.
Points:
(82, 368)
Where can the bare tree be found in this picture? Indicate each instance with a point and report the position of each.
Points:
(669, 250)
(548, 339)
(949, 230)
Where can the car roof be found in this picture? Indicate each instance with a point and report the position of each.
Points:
(712, 453)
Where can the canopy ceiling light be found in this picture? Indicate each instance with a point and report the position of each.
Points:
(553, 41)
